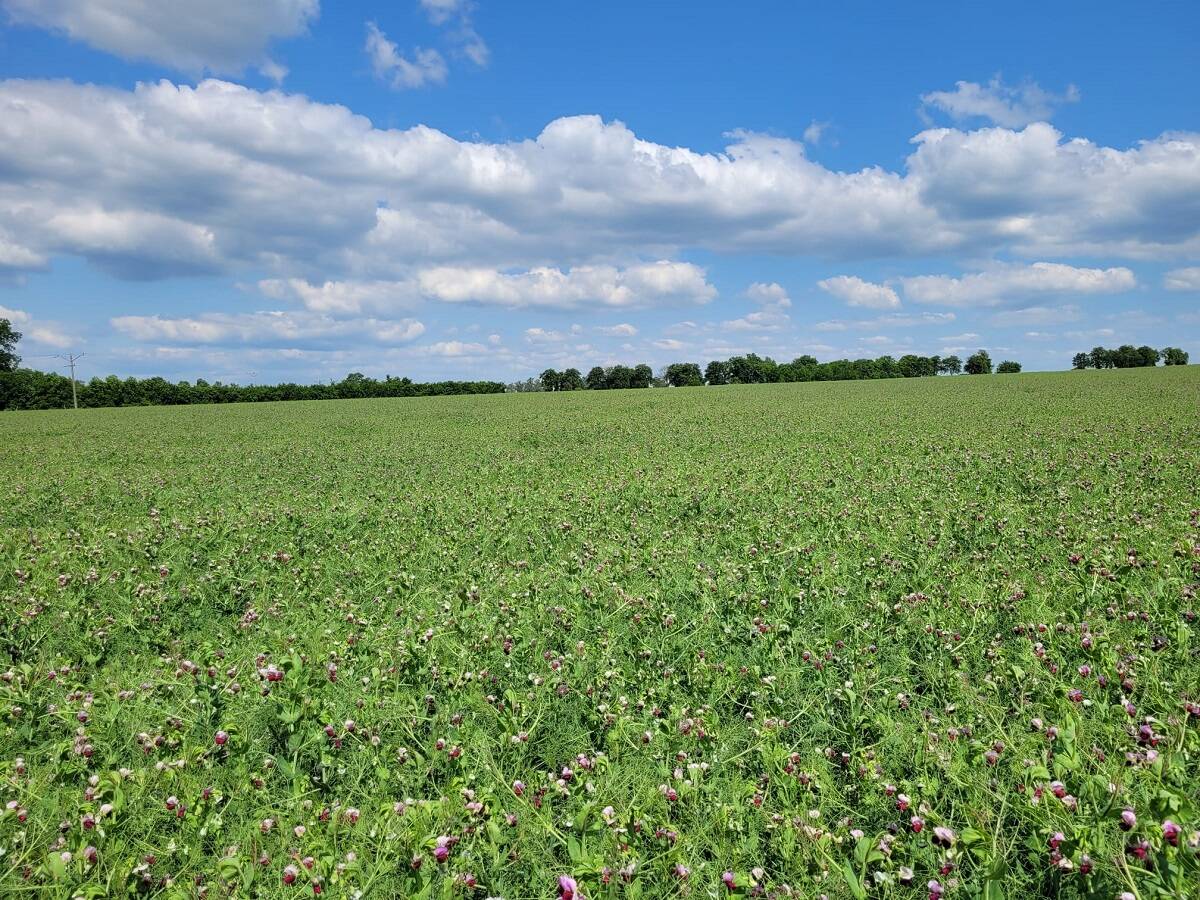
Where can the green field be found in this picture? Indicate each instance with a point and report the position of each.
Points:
(637, 638)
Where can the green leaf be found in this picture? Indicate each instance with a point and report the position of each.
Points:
(852, 882)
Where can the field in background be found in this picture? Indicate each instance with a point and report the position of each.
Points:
(843, 638)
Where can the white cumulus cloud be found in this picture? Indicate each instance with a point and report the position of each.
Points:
(1016, 282)
(641, 285)
(425, 66)
(1186, 279)
(222, 36)
(1007, 105)
(173, 179)
(272, 327)
(854, 291)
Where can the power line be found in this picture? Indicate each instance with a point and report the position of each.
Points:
(71, 359)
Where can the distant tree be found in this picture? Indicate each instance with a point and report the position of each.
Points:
(1102, 358)
(683, 375)
(570, 380)
(912, 366)
(717, 372)
(8, 346)
(1126, 357)
(618, 377)
(1148, 355)
(753, 369)
(550, 380)
(596, 380)
(950, 365)
(1008, 367)
(1080, 361)
(979, 363)
(1173, 356)
(642, 376)
(886, 367)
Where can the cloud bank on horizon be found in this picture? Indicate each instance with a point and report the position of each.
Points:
(307, 235)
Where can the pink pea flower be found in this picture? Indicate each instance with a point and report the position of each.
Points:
(441, 851)
(1170, 833)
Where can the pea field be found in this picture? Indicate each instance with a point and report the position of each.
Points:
(927, 638)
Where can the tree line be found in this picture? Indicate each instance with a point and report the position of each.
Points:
(1128, 356)
(32, 389)
(754, 369)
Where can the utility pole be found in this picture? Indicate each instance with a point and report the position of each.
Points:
(71, 359)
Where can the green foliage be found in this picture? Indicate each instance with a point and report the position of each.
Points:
(949, 365)
(979, 363)
(615, 377)
(683, 375)
(751, 631)
(1128, 356)
(717, 372)
(1008, 367)
(9, 338)
(31, 389)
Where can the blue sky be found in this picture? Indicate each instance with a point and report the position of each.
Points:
(438, 188)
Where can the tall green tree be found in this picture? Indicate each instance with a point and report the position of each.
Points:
(549, 379)
(683, 375)
(950, 365)
(596, 380)
(9, 338)
(642, 376)
(979, 363)
(1173, 356)
(717, 372)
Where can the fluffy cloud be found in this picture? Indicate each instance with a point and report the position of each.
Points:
(854, 291)
(458, 13)
(772, 300)
(260, 328)
(343, 297)
(1011, 107)
(50, 334)
(771, 294)
(425, 67)
(15, 256)
(1014, 282)
(170, 179)
(221, 36)
(1187, 279)
(642, 285)
(453, 349)
(622, 330)
(1031, 191)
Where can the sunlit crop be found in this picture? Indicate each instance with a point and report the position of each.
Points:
(922, 638)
